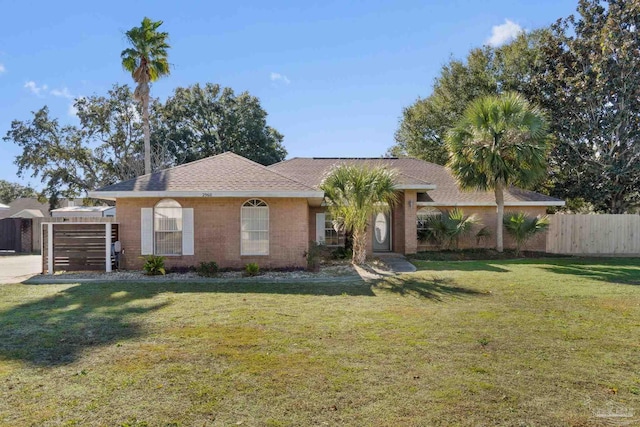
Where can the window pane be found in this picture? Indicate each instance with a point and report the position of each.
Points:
(167, 225)
(254, 228)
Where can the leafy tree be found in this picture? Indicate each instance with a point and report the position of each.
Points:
(9, 191)
(590, 84)
(486, 71)
(522, 227)
(198, 122)
(500, 141)
(71, 160)
(107, 145)
(354, 194)
(445, 230)
(147, 61)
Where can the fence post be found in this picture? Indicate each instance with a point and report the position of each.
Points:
(107, 247)
(50, 248)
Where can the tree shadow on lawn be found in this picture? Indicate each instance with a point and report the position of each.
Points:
(620, 271)
(435, 289)
(54, 330)
(489, 266)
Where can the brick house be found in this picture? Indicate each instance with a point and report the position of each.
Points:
(231, 210)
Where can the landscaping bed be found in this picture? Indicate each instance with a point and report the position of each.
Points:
(479, 254)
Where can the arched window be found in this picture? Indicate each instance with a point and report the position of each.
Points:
(167, 227)
(254, 228)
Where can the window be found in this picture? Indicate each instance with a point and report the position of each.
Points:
(331, 236)
(423, 216)
(254, 228)
(167, 227)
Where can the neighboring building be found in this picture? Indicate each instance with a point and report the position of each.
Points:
(234, 211)
(3, 207)
(84, 211)
(25, 207)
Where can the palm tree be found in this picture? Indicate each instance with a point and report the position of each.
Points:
(523, 227)
(354, 193)
(500, 141)
(147, 61)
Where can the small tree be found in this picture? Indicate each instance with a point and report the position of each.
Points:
(523, 227)
(354, 193)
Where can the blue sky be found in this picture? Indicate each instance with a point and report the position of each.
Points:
(333, 75)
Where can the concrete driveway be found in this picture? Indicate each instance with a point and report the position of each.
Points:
(16, 268)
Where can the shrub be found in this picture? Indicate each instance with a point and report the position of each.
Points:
(445, 230)
(207, 269)
(523, 227)
(154, 265)
(341, 253)
(482, 234)
(252, 269)
(313, 255)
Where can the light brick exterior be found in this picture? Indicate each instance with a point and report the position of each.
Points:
(487, 216)
(217, 232)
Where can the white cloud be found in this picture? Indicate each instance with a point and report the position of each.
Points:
(500, 34)
(277, 77)
(72, 111)
(63, 93)
(34, 88)
(2, 69)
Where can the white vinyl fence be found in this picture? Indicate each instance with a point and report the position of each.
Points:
(594, 234)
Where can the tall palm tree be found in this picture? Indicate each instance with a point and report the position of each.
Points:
(147, 61)
(354, 193)
(500, 141)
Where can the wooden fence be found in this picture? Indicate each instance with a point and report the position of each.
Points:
(37, 226)
(78, 246)
(16, 235)
(594, 234)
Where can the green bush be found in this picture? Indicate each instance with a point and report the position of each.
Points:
(445, 230)
(313, 255)
(341, 253)
(523, 227)
(252, 269)
(154, 265)
(207, 269)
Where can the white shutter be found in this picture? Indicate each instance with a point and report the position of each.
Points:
(187, 231)
(146, 231)
(320, 228)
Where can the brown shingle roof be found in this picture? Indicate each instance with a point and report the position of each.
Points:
(311, 171)
(224, 173)
(25, 204)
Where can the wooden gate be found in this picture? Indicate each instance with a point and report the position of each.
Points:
(78, 246)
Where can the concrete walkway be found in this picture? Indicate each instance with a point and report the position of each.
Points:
(16, 268)
(397, 263)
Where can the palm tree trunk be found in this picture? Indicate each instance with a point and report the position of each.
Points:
(359, 247)
(498, 190)
(147, 132)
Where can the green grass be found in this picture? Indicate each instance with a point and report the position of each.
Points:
(515, 343)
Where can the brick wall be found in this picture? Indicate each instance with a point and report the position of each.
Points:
(217, 232)
(487, 216)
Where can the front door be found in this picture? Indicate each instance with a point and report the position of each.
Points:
(382, 233)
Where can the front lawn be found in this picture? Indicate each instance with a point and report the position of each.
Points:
(511, 342)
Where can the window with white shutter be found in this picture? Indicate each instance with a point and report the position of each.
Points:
(167, 227)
